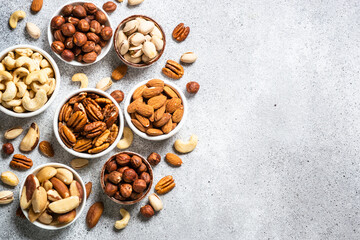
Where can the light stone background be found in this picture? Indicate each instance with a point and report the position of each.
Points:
(276, 115)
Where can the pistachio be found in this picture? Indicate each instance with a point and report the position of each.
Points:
(159, 44)
(132, 60)
(121, 36)
(147, 37)
(188, 57)
(124, 47)
(31, 139)
(64, 175)
(64, 205)
(9, 178)
(149, 49)
(130, 27)
(104, 84)
(13, 133)
(156, 32)
(135, 52)
(6, 197)
(146, 27)
(137, 39)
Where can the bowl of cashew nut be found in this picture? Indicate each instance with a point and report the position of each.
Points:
(29, 81)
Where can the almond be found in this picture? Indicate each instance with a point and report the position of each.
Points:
(166, 117)
(167, 127)
(36, 5)
(152, 92)
(155, 83)
(178, 114)
(132, 106)
(138, 125)
(94, 214)
(138, 92)
(157, 101)
(46, 148)
(168, 91)
(119, 72)
(143, 120)
(154, 132)
(173, 104)
(173, 159)
(144, 110)
(160, 113)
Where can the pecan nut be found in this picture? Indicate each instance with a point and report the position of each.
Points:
(78, 98)
(111, 113)
(165, 185)
(82, 145)
(173, 69)
(181, 32)
(99, 149)
(114, 130)
(94, 129)
(77, 121)
(65, 112)
(21, 162)
(93, 110)
(67, 135)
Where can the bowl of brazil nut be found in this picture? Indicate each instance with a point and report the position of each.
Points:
(80, 33)
(88, 123)
(29, 81)
(126, 178)
(139, 41)
(53, 196)
(155, 109)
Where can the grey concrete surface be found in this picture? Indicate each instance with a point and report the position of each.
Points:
(276, 115)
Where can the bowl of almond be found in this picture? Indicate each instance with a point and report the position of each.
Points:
(53, 196)
(155, 109)
(88, 123)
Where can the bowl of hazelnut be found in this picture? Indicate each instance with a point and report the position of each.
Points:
(126, 178)
(139, 41)
(80, 33)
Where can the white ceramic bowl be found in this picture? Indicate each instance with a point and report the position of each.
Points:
(164, 136)
(104, 50)
(57, 78)
(88, 155)
(79, 209)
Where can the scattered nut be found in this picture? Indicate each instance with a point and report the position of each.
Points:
(165, 185)
(154, 158)
(31, 139)
(21, 162)
(109, 7)
(155, 202)
(173, 69)
(104, 84)
(134, 2)
(119, 72)
(15, 17)
(192, 87)
(94, 214)
(88, 187)
(188, 57)
(173, 159)
(79, 163)
(13, 133)
(127, 140)
(118, 95)
(33, 30)
(185, 147)
(147, 211)
(8, 148)
(121, 224)
(80, 77)
(9, 178)
(181, 32)
(46, 148)
(36, 5)
(6, 197)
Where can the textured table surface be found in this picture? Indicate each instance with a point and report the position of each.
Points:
(276, 115)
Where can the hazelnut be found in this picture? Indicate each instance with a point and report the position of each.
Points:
(111, 166)
(154, 158)
(146, 177)
(77, 51)
(92, 37)
(8, 148)
(106, 33)
(129, 175)
(147, 211)
(109, 7)
(100, 17)
(135, 195)
(58, 47)
(192, 87)
(115, 177)
(73, 20)
(67, 10)
(90, 57)
(119, 197)
(95, 27)
(118, 95)
(68, 29)
(67, 55)
(83, 26)
(110, 189)
(97, 49)
(102, 43)
(88, 46)
(125, 190)
(79, 11)
(139, 185)
(59, 36)
(80, 39)
(79, 58)
(106, 178)
(135, 161)
(69, 43)
(122, 159)
(90, 8)
(122, 169)
(142, 168)
(57, 22)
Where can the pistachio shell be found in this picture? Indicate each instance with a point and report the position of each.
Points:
(146, 27)
(130, 27)
(158, 42)
(104, 84)
(149, 49)
(137, 39)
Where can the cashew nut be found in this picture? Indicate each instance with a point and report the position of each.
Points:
(121, 224)
(21, 89)
(11, 54)
(19, 73)
(31, 93)
(5, 104)
(185, 147)
(2, 86)
(80, 77)
(52, 85)
(19, 109)
(15, 17)
(9, 62)
(10, 92)
(24, 52)
(14, 102)
(35, 86)
(40, 76)
(27, 62)
(44, 63)
(37, 102)
(37, 57)
(127, 140)
(48, 71)
(5, 76)
(2, 67)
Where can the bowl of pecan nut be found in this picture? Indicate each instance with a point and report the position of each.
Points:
(80, 33)
(88, 123)
(126, 177)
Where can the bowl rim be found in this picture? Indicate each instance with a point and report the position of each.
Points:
(148, 188)
(57, 81)
(137, 65)
(104, 51)
(87, 155)
(164, 136)
(78, 211)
